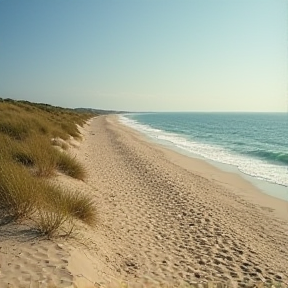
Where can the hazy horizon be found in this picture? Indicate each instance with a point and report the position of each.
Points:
(154, 56)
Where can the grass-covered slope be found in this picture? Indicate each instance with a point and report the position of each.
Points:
(29, 136)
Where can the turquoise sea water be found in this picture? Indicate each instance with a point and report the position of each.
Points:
(255, 143)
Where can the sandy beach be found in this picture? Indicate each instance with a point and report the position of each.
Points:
(164, 218)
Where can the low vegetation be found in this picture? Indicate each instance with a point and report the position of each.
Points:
(17, 191)
(70, 166)
(34, 146)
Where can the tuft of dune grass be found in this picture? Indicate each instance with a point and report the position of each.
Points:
(59, 207)
(60, 143)
(38, 153)
(21, 125)
(51, 213)
(44, 155)
(14, 129)
(17, 191)
(50, 207)
(49, 222)
(70, 166)
(81, 207)
(71, 129)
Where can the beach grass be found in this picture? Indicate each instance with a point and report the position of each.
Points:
(17, 191)
(70, 166)
(60, 143)
(60, 205)
(81, 207)
(28, 157)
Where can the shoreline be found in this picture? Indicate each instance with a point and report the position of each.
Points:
(212, 170)
(268, 187)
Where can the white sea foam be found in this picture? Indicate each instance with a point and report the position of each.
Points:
(253, 167)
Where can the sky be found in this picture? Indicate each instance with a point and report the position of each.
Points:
(146, 55)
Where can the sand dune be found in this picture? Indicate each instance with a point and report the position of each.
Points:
(163, 218)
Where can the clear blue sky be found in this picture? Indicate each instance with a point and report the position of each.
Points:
(158, 55)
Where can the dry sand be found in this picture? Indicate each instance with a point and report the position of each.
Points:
(163, 218)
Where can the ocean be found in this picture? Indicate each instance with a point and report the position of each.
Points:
(255, 143)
